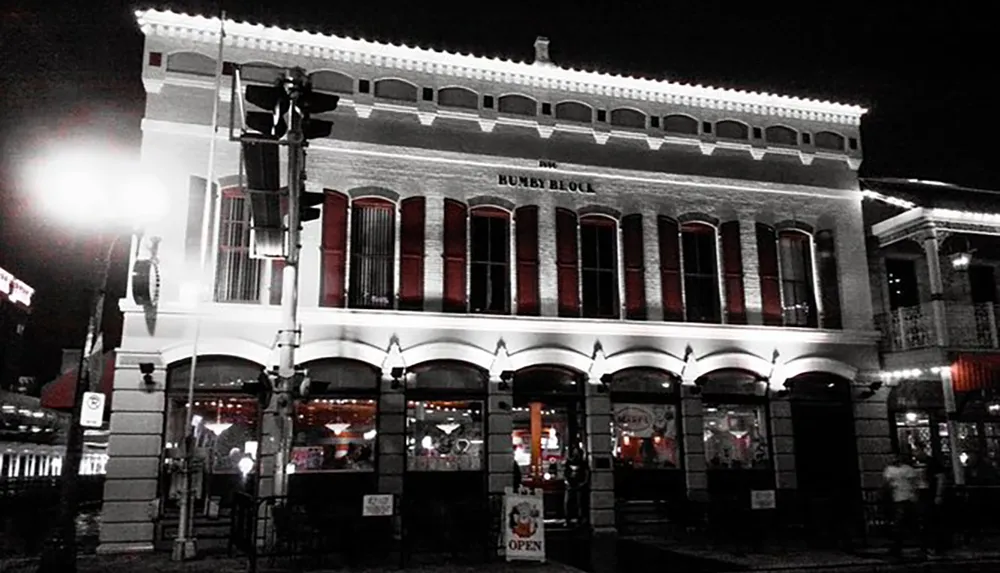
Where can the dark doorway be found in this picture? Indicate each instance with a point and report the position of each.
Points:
(826, 457)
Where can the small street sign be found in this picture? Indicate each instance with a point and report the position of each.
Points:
(92, 410)
(377, 505)
(762, 499)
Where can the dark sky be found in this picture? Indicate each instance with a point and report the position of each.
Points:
(927, 76)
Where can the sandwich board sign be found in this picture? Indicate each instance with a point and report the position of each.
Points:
(523, 526)
(92, 410)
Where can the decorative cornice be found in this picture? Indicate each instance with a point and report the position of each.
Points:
(245, 35)
(494, 162)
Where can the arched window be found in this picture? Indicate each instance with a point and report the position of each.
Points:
(517, 105)
(334, 82)
(599, 266)
(781, 135)
(680, 124)
(458, 97)
(729, 129)
(829, 140)
(489, 260)
(574, 111)
(373, 247)
(396, 90)
(701, 273)
(237, 274)
(797, 293)
(626, 117)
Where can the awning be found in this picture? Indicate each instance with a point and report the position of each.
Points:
(58, 394)
(971, 372)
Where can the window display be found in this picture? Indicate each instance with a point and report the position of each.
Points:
(554, 441)
(645, 435)
(913, 434)
(444, 435)
(335, 435)
(735, 436)
(224, 427)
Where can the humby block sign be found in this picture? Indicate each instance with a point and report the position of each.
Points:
(524, 527)
(15, 290)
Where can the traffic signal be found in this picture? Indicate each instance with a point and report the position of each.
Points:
(309, 205)
(262, 388)
(274, 99)
(308, 387)
(311, 103)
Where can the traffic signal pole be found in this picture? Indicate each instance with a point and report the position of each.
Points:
(288, 336)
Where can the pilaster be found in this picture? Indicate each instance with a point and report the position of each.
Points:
(783, 443)
(548, 281)
(751, 275)
(500, 445)
(695, 467)
(872, 431)
(391, 437)
(433, 254)
(602, 479)
(651, 247)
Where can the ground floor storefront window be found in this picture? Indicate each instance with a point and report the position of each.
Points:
(444, 435)
(335, 435)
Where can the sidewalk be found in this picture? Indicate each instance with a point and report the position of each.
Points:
(161, 563)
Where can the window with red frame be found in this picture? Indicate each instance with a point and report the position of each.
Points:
(237, 275)
(701, 275)
(599, 267)
(797, 294)
(489, 261)
(372, 262)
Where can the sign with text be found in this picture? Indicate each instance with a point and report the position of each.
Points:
(377, 505)
(561, 185)
(15, 290)
(762, 499)
(523, 527)
(92, 410)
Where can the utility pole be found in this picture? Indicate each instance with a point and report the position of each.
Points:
(287, 121)
(288, 336)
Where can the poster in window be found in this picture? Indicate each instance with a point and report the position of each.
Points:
(644, 420)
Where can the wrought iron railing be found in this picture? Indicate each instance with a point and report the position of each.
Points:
(969, 325)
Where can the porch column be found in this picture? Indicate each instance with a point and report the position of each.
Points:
(931, 244)
(695, 467)
(134, 448)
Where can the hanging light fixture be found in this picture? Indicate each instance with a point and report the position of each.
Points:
(338, 428)
(218, 427)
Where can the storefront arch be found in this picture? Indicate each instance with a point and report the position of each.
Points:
(645, 359)
(819, 364)
(734, 361)
(549, 356)
(323, 350)
(232, 347)
(448, 352)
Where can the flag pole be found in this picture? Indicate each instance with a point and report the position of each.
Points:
(185, 546)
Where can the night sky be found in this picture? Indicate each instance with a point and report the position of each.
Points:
(927, 76)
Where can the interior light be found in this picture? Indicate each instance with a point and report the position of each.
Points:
(245, 465)
(218, 427)
(427, 443)
(338, 428)
(370, 434)
(448, 428)
(911, 417)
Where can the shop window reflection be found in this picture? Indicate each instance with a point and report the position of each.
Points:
(735, 436)
(225, 429)
(335, 435)
(444, 435)
(645, 435)
(554, 442)
(913, 434)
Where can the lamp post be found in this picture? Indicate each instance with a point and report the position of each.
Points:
(87, 182)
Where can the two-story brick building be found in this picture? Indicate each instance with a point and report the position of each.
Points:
(671, 276)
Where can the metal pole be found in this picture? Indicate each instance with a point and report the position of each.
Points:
(60, 555)
(288, 335)
(185, 545)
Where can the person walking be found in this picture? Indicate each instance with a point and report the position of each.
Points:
(901, 481)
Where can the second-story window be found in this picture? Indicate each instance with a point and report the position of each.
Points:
(489, 260)
(598, 266)
(238, 276)
(901, 274)
(797, 294)
(701, 277)
(372, 263)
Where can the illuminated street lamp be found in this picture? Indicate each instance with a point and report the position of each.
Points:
(92, 184)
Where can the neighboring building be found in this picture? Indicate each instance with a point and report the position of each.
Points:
(648, 267)
(15, 306)
(934, 267)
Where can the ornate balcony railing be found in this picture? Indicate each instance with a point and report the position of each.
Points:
(970, 325)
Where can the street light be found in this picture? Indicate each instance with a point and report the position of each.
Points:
(92, 184)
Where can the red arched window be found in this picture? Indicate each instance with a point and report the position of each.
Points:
(701, 273)
(373, 252)
(798, 296)
(633, 261)
(489, 260)
(599, 266)
(528, 300)
(411, 253)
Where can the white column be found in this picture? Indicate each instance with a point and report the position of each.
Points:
(930, 244)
